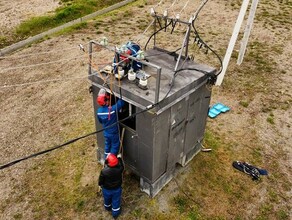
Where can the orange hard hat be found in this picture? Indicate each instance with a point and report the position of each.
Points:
(102, 97)
(112, 160)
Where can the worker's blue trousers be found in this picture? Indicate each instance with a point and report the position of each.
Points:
(112, 144)
(112, 200)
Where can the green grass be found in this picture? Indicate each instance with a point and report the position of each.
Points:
(244, 103)
(282, 215)
(270, 118)
(68, 11)
(57, 181)
(18, 216)
(181, 203)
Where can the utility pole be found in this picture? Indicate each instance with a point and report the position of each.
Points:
(232, 41)
(247, 31)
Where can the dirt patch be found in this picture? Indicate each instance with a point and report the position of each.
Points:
(12, 13)
(56, 107)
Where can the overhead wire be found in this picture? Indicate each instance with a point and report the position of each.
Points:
(40, 64)
(92, 64)
(186, 4)
(171, 6)
(212, 75)
(39, 82)
(138, 40)
(34, 65)
(195, 69)
(158, 4)
(45, 81)
(35, 53)
(178, 16)
(184, 7)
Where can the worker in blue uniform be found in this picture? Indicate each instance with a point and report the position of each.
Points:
(108, 116)
(110, 180)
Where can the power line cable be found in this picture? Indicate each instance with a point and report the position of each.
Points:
(141, 35)
(60, 79)
(34, 65)
(80, 46)
(158, 4)
(156, 33)
(203, 3)
(184, 6)
(149, 107)
(36, 54)
(199, 39)
(53, 80)
(171, 6)
(38, 64)
(43, 81)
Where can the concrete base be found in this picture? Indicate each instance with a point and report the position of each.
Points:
(152, 189)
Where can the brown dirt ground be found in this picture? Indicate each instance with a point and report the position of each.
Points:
(13, 13)
(37, 116)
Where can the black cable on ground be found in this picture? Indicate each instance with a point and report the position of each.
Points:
(45, 151)
(73, 140)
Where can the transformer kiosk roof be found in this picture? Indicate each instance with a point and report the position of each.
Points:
(185, 81)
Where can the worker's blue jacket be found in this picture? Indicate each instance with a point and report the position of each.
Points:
(107, 115)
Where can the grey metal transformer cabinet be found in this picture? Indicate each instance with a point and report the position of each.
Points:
(156, 140)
